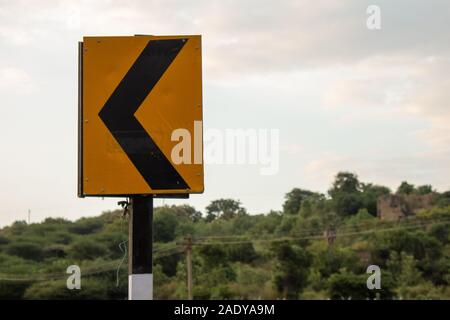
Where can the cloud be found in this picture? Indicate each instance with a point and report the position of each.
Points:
(377, 82)
(433, 88)
(431, 100)
(292, 148)
(253, 36)
(384, 169)
(395, 87)
(16, 81)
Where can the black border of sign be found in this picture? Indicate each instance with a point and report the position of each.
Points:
(80, 120)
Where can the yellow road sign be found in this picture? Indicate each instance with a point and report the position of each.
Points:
(140, 113)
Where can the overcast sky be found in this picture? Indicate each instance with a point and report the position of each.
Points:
(375, 102)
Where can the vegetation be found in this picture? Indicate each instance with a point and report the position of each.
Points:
(239, 255)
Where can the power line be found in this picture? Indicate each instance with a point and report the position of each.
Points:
(92, 270)
(316, 236)
(178, 249)
(314, 230)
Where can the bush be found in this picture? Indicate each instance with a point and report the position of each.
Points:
(244, 252)
(10, 264)
(441, 232)
(86, 226)
(349, 286)
(362, 215)
(4, 240)
(26, 250)
(222, 292)
(111, 241)
(57, 290)
(423, 291)
(201, 293)
(54, 251)
(18, 227)
(329, 261)
(86, 249)
(12, 290)
(61, 237)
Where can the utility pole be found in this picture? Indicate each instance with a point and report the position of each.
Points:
(140, 277)
(189, 265)
(29, 216)
(330, 234)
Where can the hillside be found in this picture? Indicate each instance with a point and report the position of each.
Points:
(290, 254)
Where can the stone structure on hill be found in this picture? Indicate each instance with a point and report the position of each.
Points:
(395, 206)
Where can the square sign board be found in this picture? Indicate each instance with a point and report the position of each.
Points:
(140, 116)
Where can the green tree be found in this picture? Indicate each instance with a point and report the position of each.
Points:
(443, 199)
(346, 194)
(404, 269)
(215, 268)
(213, 255)
(188, 212)
(347, 204)
(418, 244)
(425, 189)
(291, 269)
(169, 264)
(405, 188)
(225, 209)
(370, 195)
(165, 224)
(345, 182)
(294, 200)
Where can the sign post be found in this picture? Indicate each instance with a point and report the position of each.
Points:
(140, 275)
(139, 108)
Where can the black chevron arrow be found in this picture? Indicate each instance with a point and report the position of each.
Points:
(118, 114)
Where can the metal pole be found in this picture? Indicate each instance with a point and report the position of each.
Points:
(189, 266)
(140, 277)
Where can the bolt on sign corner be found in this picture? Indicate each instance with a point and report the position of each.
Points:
(134, 93)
